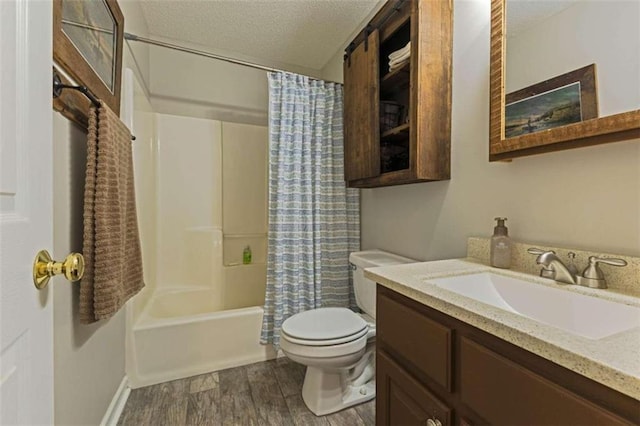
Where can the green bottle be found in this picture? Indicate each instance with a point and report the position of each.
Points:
(246, 255)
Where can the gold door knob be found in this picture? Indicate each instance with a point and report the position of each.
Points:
(44, 268)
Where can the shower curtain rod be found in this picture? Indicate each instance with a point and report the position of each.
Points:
(133, 37)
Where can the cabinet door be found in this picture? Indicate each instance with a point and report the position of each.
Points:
(402, 400)
(361, 111)
(506, 393)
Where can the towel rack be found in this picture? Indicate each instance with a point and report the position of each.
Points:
(58, 87)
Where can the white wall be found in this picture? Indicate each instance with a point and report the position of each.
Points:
(195, 86)
(89, 360)
(585, 198)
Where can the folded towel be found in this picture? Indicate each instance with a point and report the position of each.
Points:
(111, 247)
(397, 65)
(400, 59)
(400, 52)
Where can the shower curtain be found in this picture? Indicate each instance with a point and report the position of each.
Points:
(314, 220)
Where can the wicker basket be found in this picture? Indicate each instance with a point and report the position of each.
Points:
(390, 115)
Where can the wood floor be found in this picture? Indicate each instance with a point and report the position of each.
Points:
(265, 393)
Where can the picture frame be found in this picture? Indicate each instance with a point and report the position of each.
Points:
(88, 39)
(559, 101)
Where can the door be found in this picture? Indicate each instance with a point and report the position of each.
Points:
(361, 111)
(26, 321)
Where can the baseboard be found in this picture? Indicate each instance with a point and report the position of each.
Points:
(117, 404)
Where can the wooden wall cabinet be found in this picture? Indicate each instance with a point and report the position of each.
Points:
(434, 369)
(416, 148)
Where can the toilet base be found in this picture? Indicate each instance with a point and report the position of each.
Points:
(325, 392)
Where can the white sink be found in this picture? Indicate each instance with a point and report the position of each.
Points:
(585, 316)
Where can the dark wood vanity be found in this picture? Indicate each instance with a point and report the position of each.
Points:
(433, 369)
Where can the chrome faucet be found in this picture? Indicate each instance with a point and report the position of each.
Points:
(592, 276)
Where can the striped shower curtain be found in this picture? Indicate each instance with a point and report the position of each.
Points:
(314, 220)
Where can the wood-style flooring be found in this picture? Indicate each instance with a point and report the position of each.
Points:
(265, 393)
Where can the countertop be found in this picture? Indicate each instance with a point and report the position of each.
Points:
(613, 361)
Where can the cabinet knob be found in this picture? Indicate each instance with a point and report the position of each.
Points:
(434, 422)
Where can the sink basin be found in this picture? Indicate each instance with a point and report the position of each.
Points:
(585, 316)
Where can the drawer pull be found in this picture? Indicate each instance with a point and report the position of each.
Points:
(434, 422)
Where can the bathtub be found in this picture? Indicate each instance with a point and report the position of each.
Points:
(180, 334)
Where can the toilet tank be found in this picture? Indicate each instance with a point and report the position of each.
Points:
(364, 288)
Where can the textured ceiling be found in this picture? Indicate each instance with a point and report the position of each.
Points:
(306, 33)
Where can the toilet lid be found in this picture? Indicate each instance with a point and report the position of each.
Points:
(323, 324)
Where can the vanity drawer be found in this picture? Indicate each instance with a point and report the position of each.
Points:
(501, 391)
(403, 400)
(419, 340)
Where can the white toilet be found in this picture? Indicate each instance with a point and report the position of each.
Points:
(338, 345)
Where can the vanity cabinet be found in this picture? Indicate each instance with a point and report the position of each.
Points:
(397, 124)
(434, 369)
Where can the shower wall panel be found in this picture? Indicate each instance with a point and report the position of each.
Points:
(189, 191)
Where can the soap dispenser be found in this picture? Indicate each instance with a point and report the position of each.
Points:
(500, 255)
(246, 255)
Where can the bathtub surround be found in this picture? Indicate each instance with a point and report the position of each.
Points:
(202, 299)
(111, 245)
(313, 217)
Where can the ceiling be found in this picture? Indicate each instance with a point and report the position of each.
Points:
(306, 33)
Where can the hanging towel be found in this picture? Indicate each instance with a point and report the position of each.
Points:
(111, 247)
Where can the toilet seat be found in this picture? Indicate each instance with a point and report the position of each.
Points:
(349, 351)
(331, 342)
(323, 325)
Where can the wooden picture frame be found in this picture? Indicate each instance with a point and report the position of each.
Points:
(90, 53)
(559, 101)
(612, 128)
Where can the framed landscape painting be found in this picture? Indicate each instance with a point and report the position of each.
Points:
(562, 100)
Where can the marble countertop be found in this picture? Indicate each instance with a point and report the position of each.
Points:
(613, 361)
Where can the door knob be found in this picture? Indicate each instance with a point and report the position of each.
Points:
(44, 268)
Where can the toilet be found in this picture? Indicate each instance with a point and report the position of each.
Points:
(338, 345)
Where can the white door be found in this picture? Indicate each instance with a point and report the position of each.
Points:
(26, 223)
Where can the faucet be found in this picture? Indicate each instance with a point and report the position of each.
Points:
(592, 276)
(552, 266)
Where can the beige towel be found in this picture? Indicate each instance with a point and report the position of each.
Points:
(113, 270)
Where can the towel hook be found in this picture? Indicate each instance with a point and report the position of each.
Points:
(58, 86)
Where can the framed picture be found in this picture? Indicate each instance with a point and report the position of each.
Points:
(87, 46)
(562, 100)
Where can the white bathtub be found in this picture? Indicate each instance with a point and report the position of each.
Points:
(179, 334)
